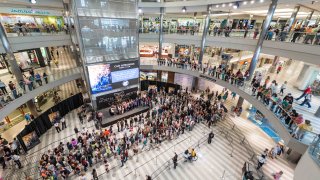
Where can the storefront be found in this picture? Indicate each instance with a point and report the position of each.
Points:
(151, 50)
(34, 20)
(32, 58)
(148, 75)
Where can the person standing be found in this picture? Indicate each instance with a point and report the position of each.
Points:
(261, 161)
(45, 77)
(16, 159)
(56, 125)
(175, 160)
(283, 87)
(211, 136)
(63, 122)
(13, 89)
(38, 79)
(122, 160)
(94, 174)
(3, 87)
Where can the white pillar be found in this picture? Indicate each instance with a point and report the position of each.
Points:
(306, 77)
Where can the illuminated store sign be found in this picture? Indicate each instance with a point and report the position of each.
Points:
(26, 11)
(29, 11)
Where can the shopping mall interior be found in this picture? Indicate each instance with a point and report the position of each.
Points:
(220, 89)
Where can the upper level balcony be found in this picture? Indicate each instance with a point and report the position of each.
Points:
(304, 48)
(36, 40)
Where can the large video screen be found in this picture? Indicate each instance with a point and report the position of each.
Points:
(106, 77)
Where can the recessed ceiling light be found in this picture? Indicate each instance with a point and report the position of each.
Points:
(217, 5)
(33, 1)
(245, 3)
(251, 2)
(261, 1)
(235, 7)
(140, 10)
(230, 4)
(223, 5)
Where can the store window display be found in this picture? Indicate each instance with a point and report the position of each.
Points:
(25, 24)
(152, 50)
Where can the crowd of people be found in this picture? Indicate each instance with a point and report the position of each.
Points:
(24, 29)
(30, 81)
(127, 105)
(270, 92)
(168, 117)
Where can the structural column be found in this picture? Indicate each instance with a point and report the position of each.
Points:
(204, 36)
(195, 83)
(317, 20)
(161, 32)
(14, 65)
(240, 101)
(307, 76)
(293, 16)
(265, 27)
(308, 18)
(274, 64)
(72, 32)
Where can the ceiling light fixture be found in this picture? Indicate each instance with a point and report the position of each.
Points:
(235, 7)
(261, 1)
(217, 6)
(230, 4)
(223, 5)
(33, 1)
(140, 10)
(245, 3)
(184, 9)
(251, 2)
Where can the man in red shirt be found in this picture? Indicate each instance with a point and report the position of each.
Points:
(305, 92)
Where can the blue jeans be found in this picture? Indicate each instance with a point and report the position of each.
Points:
(306, 101)
(303, 95)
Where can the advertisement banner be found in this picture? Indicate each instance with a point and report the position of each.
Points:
(106, 77)
(107, 100)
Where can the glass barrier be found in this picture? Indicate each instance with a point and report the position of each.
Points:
(273, 103)
(314, 150)
(40, 33)
(179, 31)
(312, 38)
(31, 83)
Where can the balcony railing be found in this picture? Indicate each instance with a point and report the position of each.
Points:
(314, 150)
(282, 114)
(23, 87)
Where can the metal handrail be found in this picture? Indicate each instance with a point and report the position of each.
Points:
(167, 163)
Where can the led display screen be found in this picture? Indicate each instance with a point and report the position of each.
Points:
(106, 77)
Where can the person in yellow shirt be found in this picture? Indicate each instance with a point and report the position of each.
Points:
(309, 35)
(303, 128)
(193, 154)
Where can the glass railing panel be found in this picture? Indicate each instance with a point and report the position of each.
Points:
(40, 33)
(314, 150)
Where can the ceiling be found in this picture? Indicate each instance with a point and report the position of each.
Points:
(257, 8)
